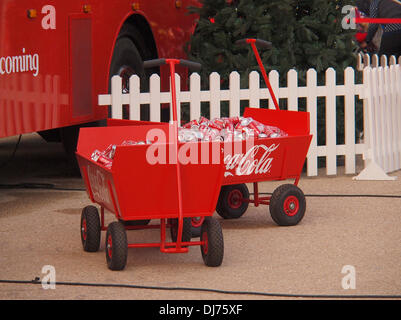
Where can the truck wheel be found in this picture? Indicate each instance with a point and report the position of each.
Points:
(287, 205)
(90, 229)
(213, 248)
(230, 204)
(116, 246)
(186, 230)
(129, 53)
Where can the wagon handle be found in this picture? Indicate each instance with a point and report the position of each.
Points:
(265, 45)
(194, 66)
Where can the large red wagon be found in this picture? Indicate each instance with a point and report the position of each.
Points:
(137, 189)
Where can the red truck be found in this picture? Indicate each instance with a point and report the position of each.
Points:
(57, 57)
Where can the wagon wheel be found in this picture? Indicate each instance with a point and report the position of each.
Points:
(230, 204)
(90, 229)
(196, 226)
(186, 230)
(116, 246)
(213, 244)
(287, 205)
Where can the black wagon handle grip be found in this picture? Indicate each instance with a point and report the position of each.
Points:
(154, 63)
(194, 66)
(259, 42)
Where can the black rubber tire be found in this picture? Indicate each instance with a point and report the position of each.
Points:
(186, 230)
(224, 208)
(90, 229)
(213, 251)
(281, 212)
(129, 53)
(117, 247)
(196, 227)
(132, 223)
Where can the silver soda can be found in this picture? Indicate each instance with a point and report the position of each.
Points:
(95, 155)
(262, 135)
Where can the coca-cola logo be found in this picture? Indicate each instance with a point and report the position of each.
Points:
(98, 185)
(257, 160)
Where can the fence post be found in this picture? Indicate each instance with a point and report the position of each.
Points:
(292, 84)
(349, 120)
(331, 117)
(274, 79)
(155, 102)
(195, 96)
(254, 90)
(372, 129)
(311, 107)
(235, 87)
(116, 98)
(214, 95)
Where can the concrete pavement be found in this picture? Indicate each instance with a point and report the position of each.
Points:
(41, 227)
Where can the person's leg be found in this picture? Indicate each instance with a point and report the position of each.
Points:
(390, 44)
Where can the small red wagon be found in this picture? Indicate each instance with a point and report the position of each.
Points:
(267, 159)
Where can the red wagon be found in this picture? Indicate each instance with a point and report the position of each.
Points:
(266, 159)
(137, 189)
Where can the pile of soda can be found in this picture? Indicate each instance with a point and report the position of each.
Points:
(219, 129)
(106, 157)
(227, 130)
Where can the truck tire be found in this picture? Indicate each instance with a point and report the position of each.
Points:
(129, 53)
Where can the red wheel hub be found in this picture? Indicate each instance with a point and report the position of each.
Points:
(234, 199)
(84, 229)
(197, 221)
(109, 246)
(205, 245)
(291, 206)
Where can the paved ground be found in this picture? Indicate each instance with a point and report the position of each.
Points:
(41, 227)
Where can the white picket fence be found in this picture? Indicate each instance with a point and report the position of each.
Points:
(254, 94)
(312, 91)
(374, 61)
(382, 115)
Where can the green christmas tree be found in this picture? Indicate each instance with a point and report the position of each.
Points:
(304, 33)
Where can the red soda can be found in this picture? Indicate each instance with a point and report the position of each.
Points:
(230, 126)
(268, 130)
(105, 161)
(254, 127)
(214, 125)
(234, 120)
(203, 120)
(191, 123)
(239, 127)
(203, 127)
(219, 122)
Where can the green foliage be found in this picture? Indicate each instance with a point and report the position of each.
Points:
(305, 34)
